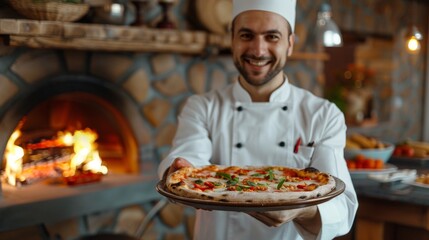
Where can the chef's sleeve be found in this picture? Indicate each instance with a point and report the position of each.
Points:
(192, 141)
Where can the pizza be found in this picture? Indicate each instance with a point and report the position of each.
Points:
(250, 184)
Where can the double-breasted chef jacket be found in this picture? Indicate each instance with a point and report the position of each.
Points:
(225, 127)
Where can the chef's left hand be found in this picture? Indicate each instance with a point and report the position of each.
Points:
(307, 217)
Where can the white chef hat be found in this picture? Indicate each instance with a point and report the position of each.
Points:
(285, 8)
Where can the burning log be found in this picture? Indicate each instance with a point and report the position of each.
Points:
(83, 177)
(74, 158)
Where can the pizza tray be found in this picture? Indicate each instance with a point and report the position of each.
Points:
(249, 207)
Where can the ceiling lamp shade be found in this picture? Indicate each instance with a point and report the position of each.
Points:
(327, 31)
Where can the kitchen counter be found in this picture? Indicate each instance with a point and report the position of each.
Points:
(398, 192)
(391, 210)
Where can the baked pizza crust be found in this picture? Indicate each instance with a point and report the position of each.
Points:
(182, 183)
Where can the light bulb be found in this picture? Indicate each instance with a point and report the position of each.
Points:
(327, 30)
(331, 39)
(413, 44)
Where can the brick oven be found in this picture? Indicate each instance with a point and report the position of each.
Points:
(70, 101)
(45, 94)
(75, 102)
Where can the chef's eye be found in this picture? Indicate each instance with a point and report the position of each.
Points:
(273, 37)
(246, 36)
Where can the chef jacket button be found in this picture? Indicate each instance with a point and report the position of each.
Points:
(239, 145)
(284, 108)
(282, 144)
(240, 108)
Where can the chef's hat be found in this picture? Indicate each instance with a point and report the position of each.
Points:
(285, 8)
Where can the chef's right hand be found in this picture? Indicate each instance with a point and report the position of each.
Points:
(177, 164)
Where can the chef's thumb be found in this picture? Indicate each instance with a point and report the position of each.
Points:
(179, 163)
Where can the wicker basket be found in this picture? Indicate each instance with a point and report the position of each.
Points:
(50, 10)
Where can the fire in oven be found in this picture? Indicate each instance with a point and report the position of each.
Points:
(70, 156)
(71, 138)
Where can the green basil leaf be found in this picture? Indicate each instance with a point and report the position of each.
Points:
(223, 175)
(231, 182)
(270, 175)
(257, 175)
(250, 183)
(217, 183)
(280, 183)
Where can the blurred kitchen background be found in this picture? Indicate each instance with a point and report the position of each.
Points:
(125, 68)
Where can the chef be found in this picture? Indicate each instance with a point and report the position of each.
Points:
(262, 119)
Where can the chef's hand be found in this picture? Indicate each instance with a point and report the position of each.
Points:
(177, 164)
(308, 218)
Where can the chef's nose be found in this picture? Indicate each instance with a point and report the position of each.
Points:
(259, 46)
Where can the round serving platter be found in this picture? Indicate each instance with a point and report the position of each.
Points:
(249, 207)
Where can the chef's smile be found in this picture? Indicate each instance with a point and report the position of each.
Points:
(257, 62)
(257, 66)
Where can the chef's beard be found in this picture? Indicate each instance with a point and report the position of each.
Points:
(252, 81)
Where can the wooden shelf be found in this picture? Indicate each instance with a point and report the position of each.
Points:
(102, 37)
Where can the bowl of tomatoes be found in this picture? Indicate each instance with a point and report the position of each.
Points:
(367, 147)
(361, 162)
(382, 154)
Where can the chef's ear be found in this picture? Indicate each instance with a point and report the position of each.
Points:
(291, 44)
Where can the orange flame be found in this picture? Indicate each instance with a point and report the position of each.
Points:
(86, 154)
(85, 157)
(13, 157)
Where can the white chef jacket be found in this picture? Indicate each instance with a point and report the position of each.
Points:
(225, 127)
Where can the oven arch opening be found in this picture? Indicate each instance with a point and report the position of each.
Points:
(55, 103)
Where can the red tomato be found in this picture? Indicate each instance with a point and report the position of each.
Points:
(397, 151)
(407, 151)
(359, 165)
(369, 163)
(351, 164)
(379, 164)
(359, 158)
